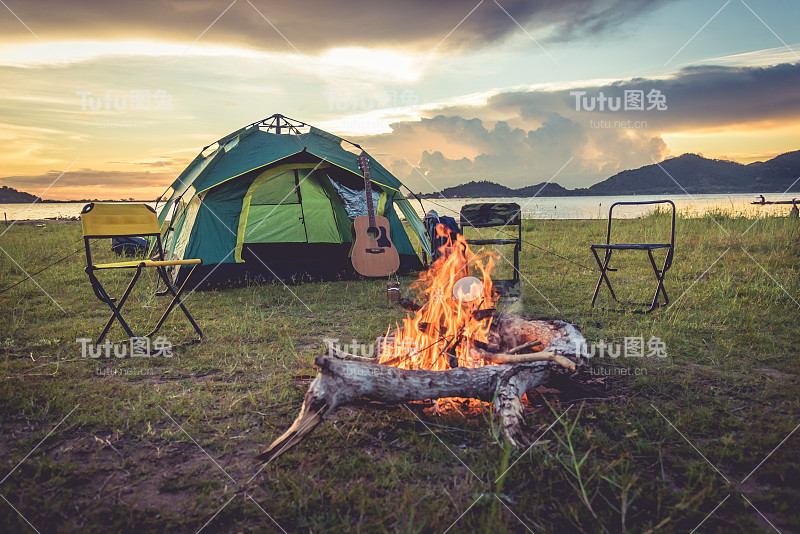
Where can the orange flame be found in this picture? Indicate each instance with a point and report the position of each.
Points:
(444, 328)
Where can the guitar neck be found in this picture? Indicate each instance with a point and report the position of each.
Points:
(368, 193)
(373, 253)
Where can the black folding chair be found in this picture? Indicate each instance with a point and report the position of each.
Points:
(610, 247)
(127, 220)
(504, 215)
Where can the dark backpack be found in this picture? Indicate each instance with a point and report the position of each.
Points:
(129, 246)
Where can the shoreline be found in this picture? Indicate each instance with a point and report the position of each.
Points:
(77, 221)
(34, 222)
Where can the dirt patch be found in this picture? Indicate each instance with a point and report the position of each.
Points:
(773, 373)
(155, 475)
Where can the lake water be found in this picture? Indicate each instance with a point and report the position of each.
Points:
(43, 210)
(597, 207)
(532, 208)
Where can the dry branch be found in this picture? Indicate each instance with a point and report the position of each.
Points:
(523, 358)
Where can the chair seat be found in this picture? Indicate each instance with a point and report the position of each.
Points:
(632, 246)
(145, 263)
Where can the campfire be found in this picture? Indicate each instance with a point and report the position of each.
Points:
(452, 344)
(457, 313)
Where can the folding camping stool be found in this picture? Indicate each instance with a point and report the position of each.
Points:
(610, 247)
(128, 220)
(504, 215)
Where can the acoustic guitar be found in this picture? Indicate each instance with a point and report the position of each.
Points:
(373, 253)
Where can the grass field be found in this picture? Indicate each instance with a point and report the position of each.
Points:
(167, 444)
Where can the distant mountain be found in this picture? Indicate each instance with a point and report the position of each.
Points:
(483, 188)
(544, 189)
(775, 173)
(697, 174)
(689, 172)
(9, 195)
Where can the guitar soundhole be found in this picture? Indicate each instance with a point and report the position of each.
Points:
(373, 232)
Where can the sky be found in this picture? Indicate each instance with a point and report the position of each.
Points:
(112, 100)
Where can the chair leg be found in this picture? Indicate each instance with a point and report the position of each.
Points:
(175, 300)
(663, 275)
(600, 280)
(115, 310)
(660, 282)
(603, 276)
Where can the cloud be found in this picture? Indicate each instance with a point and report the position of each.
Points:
(314, 25)
(89, 183)
(696, 97)
(520, 138)
(518, 157)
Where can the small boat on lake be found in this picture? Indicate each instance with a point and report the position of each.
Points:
(766, 202)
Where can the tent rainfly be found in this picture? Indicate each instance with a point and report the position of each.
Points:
(270, 201)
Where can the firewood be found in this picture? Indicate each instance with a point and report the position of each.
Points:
(483, 313)
(523, 358)
(348, 379)
(409, 305)
(343, 380)
(525, 346)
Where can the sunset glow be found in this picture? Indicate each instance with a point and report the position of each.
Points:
(460, 95)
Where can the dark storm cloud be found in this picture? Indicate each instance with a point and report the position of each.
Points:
(695, 97)
(311, 25)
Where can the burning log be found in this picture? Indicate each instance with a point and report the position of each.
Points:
(343, 380)
(483, 313)
(409, 305)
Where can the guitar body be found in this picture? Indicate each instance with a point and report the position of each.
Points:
(373, 253)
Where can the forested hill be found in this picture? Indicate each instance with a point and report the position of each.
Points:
(689, 172)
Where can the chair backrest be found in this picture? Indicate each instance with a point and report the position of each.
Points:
(644, 203)
(641, 203)
(100, 220)
(490, 214)
(116, 220)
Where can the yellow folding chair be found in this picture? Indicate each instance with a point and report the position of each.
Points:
(128, 220)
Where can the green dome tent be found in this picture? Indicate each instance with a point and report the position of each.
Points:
(271, 201)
